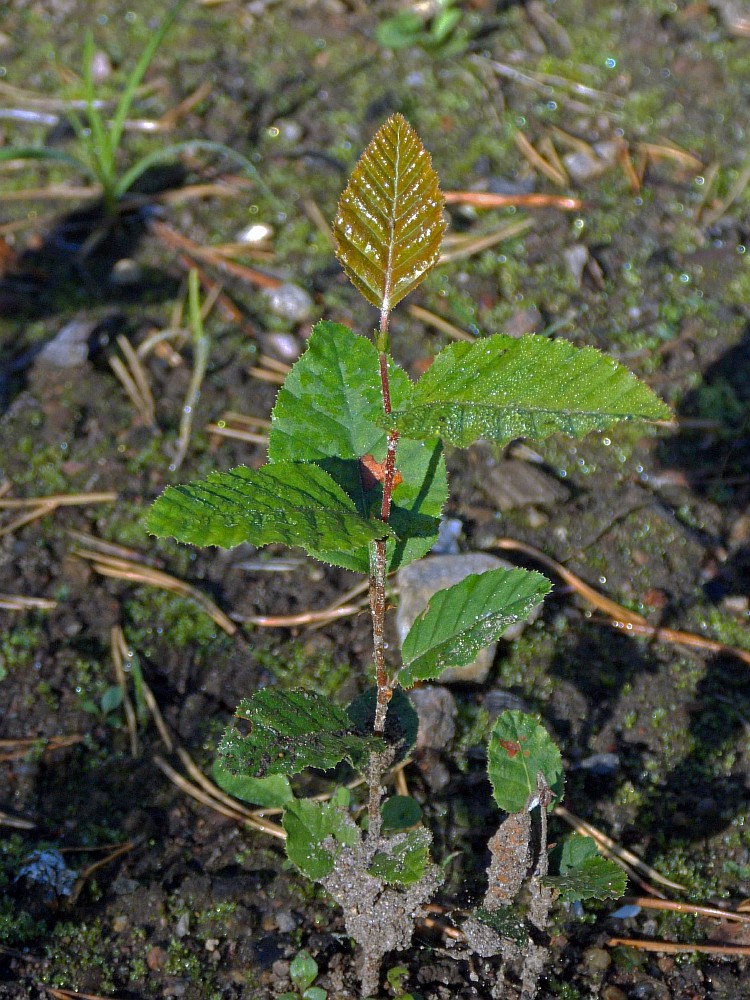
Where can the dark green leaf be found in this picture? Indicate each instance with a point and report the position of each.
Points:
(112, 698)
(405, 859)
(273, 792)
(292, 730)
(506, 921)
(594, 878)
(308, 824)
(401, 722)
(466, 617)
(327, 412)
(287, 502)
(518, 750)
(572, 853)
(400, 812)
(502, 387)
(389, 223)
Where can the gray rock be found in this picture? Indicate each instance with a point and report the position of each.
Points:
(448, 534)
(289, 301)
(418, 581)
(436, 708)
(70, 347)
(576, 258)
(511, 483)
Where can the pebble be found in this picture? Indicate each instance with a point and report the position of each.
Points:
(498, 701)
(284, 346)
(289, 301)
(70, 347)
(613, 993)
(512, 483)
(436, 708)
(256, 232)
(126, 273)
(417, 583)
(596, 960)
(582, 166)
(576, 258)
(602, 765)
(448, 534)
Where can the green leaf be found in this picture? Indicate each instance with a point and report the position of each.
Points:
(112, 699)
(308, 824)
(405, 860)
(315, 993)
(401, 723)
(327, 412)
(400, 31)
(506, 921)
(292, 730)
(303, 970)
(399, 812)
(519, 748)
(466, 617)
(572, 853)
(286, 502)
(594, 878)
(273, 792)
(389, 223)
(501, 387)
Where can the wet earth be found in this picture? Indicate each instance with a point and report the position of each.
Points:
(640, 114)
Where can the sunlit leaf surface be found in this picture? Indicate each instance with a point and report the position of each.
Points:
(389, 222)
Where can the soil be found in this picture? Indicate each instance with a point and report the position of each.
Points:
(199, 906)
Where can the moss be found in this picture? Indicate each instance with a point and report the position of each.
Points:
(73, 949)
(18, 645)
(151, 614)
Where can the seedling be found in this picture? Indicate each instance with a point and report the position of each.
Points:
(356, 477)
(100, 139)
(303, 971)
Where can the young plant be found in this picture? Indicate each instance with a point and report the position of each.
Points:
(356, 477)
(100, 138)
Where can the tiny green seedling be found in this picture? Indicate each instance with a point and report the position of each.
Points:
(303, 972)
(356, 477)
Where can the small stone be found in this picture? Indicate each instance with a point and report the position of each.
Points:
(123, 886)
(511, 484)
(156, 958)
(448, 534)
(289, 301)
(523, 322)
(596, 960)
(498, 701)
(417, 583)
(182, 928)
(613, 993)
(576, 258)
(436, 708)
(101, 67)
(70, 347)
(126, 273)
(120, 924)
(284, 346)
(602, 765)
(286, 922)
(256, 232)
(211, 944)
(584, 166)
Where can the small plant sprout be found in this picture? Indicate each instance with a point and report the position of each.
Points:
(356, 477)
(100, 138)
(303, 971)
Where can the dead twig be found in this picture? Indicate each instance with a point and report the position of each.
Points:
(19, 602)
(431, 319)
(538, 162)
(119, 653)
(679, 638)
(15, 822)
(135, 381)
(466, 246)
(127, 569)
(673, 948)
(677, 907)
(13, 749)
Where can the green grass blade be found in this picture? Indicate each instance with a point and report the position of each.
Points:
(97, 142)
(131, 85)
(41, 153)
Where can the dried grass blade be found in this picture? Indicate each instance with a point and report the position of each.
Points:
(124, 569)
(33, 515)
(673, 948)
(439, 323)
(237, 435)
(486, 199)
(58, 500)
(678, 907)
(196, 792)
(140, 379)
(119, 650)
(679, 638)
(305, 618)
(537, 161)
(15, 822)
(470, 245)
(19, 602)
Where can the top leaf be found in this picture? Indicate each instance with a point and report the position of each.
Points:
(389, 223)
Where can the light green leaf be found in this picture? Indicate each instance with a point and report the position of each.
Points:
(308, 824)
(501, 387)
(400, 31)
(466, 617)
(286, 502)
(572, 853)
(405, 859)
(519, 749)
(594, 878)
(303, 970)
(389, 223)
(289, 731)
(327, 413)
(273, 792)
